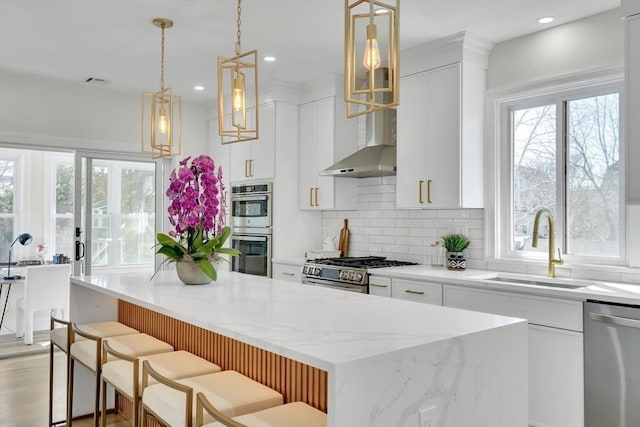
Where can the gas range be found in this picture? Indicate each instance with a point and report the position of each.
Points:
(348, 273)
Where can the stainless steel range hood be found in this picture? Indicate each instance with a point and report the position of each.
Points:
(378, 157)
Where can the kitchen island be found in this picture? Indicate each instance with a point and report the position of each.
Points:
(384, 362)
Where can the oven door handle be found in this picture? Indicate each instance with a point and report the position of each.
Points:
(254, 197)
(249, 238)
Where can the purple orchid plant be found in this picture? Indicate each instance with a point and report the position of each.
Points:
(197, 213)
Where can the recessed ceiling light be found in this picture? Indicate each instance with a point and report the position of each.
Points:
(198, 87)
(546, 20)
(269, 58)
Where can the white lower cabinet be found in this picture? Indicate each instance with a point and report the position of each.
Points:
(288, 272)
(380, 286)
(556, 363)
(556, 377)
(410, 290)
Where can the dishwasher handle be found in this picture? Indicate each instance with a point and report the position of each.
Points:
(615, 320)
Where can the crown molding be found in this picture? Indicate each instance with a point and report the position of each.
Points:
(458, 47)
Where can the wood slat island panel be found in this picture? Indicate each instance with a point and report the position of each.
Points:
(295, 380)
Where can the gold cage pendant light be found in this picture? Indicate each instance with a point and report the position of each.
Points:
(162, 113)
(237, 107)
(371, 55)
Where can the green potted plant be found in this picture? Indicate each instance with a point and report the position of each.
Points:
(455, 244)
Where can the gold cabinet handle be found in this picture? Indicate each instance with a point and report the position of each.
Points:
(420, 191)
(409, 291)
(250, 168)
(311, 196)
(317, 192)
(287, 274)
(377, 286)
(428, 191)
(246, 168)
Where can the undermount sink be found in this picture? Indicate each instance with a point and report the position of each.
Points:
(553, 283)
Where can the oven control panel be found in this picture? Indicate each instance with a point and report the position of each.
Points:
(340, 275)
(311, 270)
(351, 276)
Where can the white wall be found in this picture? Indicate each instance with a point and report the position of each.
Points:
(30, 105)
(587, 44)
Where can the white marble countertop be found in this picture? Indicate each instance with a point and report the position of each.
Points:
(321, 327)
(595, 290)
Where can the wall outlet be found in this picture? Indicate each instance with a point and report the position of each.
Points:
(428, 417)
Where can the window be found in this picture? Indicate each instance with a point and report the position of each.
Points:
(63, 242)
(565, 156)
(7, 209)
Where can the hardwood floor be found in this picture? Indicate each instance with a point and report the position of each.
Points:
(24, 393)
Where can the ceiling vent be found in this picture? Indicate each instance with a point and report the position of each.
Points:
(96, 81)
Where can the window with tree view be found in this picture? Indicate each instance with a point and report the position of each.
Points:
(64, 236)
(7, 213)
(566, 158)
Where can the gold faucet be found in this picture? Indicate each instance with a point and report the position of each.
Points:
(552, 261)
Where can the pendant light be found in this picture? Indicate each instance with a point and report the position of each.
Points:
(238, 93)
(371, 55)
(161, 113)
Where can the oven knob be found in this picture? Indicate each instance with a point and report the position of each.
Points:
(344, 275)
(305, 269)
(358, 277)
(351, 275)
(317, 271)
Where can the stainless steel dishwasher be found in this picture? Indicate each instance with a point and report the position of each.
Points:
(611, 365)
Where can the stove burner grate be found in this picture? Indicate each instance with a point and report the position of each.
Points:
(361, 262)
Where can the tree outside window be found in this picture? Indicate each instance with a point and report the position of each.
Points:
(579, 137)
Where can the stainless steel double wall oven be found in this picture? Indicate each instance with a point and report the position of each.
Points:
(251, 220)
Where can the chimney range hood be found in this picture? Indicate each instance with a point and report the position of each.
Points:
(378, 156)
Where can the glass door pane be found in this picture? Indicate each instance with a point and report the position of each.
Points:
(117, 214)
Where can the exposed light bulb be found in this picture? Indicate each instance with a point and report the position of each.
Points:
(238, 96)
(371, 58)
(162, 121)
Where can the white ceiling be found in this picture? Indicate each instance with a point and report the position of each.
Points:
(115, 39)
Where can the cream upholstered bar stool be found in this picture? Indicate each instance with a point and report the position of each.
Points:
(295, 414)
(88, 352)
(124, 374)
(171, 401)
(61, 335)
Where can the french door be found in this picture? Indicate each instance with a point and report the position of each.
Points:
(115, 207)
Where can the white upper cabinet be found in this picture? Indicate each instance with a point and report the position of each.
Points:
(632, 101)
(325, 136)
(256, 159)
(440, 137)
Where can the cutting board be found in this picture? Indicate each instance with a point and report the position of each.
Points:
(343, 241)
